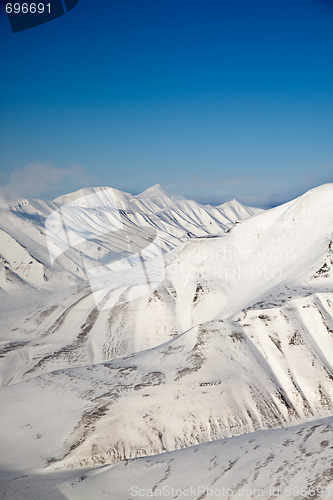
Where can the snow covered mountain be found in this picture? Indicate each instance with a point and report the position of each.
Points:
(51, 294)
(95, 213)
(267, 464)
(234, 337)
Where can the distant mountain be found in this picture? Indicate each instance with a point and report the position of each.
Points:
(97, 212)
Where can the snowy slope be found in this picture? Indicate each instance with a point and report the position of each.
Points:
(219, 379)
(109, 222)
(53, 286)
(228, 335)
(294, 462)
(204, 279)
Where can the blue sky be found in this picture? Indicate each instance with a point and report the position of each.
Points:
(213, 99)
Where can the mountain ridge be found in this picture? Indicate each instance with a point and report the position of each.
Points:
(230, 334)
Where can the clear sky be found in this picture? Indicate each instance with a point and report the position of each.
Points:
(213, 99)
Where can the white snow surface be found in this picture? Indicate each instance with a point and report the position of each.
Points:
(211, 365)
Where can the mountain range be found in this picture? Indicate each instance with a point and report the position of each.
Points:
(149, 341)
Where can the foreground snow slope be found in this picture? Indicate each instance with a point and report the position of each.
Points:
(293, 462)
(225, 377)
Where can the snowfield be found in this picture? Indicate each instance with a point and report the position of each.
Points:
(153, 346)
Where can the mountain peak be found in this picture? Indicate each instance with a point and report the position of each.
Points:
(157, 197)
(231, 203)
(96, 197)
(156, 191)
